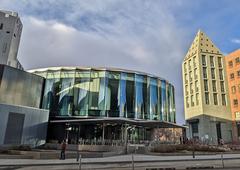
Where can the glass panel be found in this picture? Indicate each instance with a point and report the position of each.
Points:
(52, 88)
(168, 102)
(130, 93)
(147, 113)
(172, 104)
(122, 93)
(164, 104)
(139, 98)
(145, 97)
(81, 93)
(154, 100)
(160, 100)
(97, 93)
(113, 95)
(66, 93)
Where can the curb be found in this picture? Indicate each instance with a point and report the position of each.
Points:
(115, 162)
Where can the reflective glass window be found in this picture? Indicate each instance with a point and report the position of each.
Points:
(122, 95)
(108, 94)
(139, 96)
(164, 102)
(169, 102)
(113, 94)
(52, 88)
(97, 93)
(130, 93)
(81, 92)
(160, 100)
(66, 93)
(154, 100)
(172, 106)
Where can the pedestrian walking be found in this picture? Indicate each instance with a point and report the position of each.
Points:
(63, 149)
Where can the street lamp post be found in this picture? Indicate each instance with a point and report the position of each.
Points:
(126, 136)
(68, 129)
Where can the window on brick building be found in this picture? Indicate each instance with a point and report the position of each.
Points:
(235, 102)
(237, 60)
(233, 88)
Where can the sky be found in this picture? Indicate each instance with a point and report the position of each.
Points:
(151, 36)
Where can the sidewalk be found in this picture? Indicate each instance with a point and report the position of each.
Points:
(116, 159)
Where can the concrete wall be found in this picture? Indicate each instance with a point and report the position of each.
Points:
(23, 125)
(10, 33)
(207, 131)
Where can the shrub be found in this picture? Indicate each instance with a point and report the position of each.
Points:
(163, 148)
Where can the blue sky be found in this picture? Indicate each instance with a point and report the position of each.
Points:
(146, 35)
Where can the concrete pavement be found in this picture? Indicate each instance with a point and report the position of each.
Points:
(123, 159)
(180, 165)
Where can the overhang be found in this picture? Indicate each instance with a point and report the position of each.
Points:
(133, 122)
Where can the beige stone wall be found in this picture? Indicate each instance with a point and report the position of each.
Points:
(193, 80)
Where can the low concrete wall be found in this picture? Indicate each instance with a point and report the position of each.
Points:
(89, 148)
(54, 154)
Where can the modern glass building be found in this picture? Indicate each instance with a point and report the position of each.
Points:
(100, 102)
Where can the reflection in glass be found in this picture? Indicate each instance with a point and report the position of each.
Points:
(153, 99)
(160, 100)
(81, 90)
(167, 102)
(172, 104)
(112, 105)
(122, 95)
(130, 92)
(100, 93)
(164, 104)
(66, 93)
(97, 93)
(139, 108)
(52, 87)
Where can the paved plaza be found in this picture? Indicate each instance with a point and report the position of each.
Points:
(125, 162)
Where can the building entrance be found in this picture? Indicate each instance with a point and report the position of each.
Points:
(219, 133)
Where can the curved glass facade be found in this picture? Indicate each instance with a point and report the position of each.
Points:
(107, 93)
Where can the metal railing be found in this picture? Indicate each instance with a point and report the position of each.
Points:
(112, 142)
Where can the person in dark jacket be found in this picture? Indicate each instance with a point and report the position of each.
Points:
(63, 149)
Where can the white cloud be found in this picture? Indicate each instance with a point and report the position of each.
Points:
(237, 41)
(125, 34)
